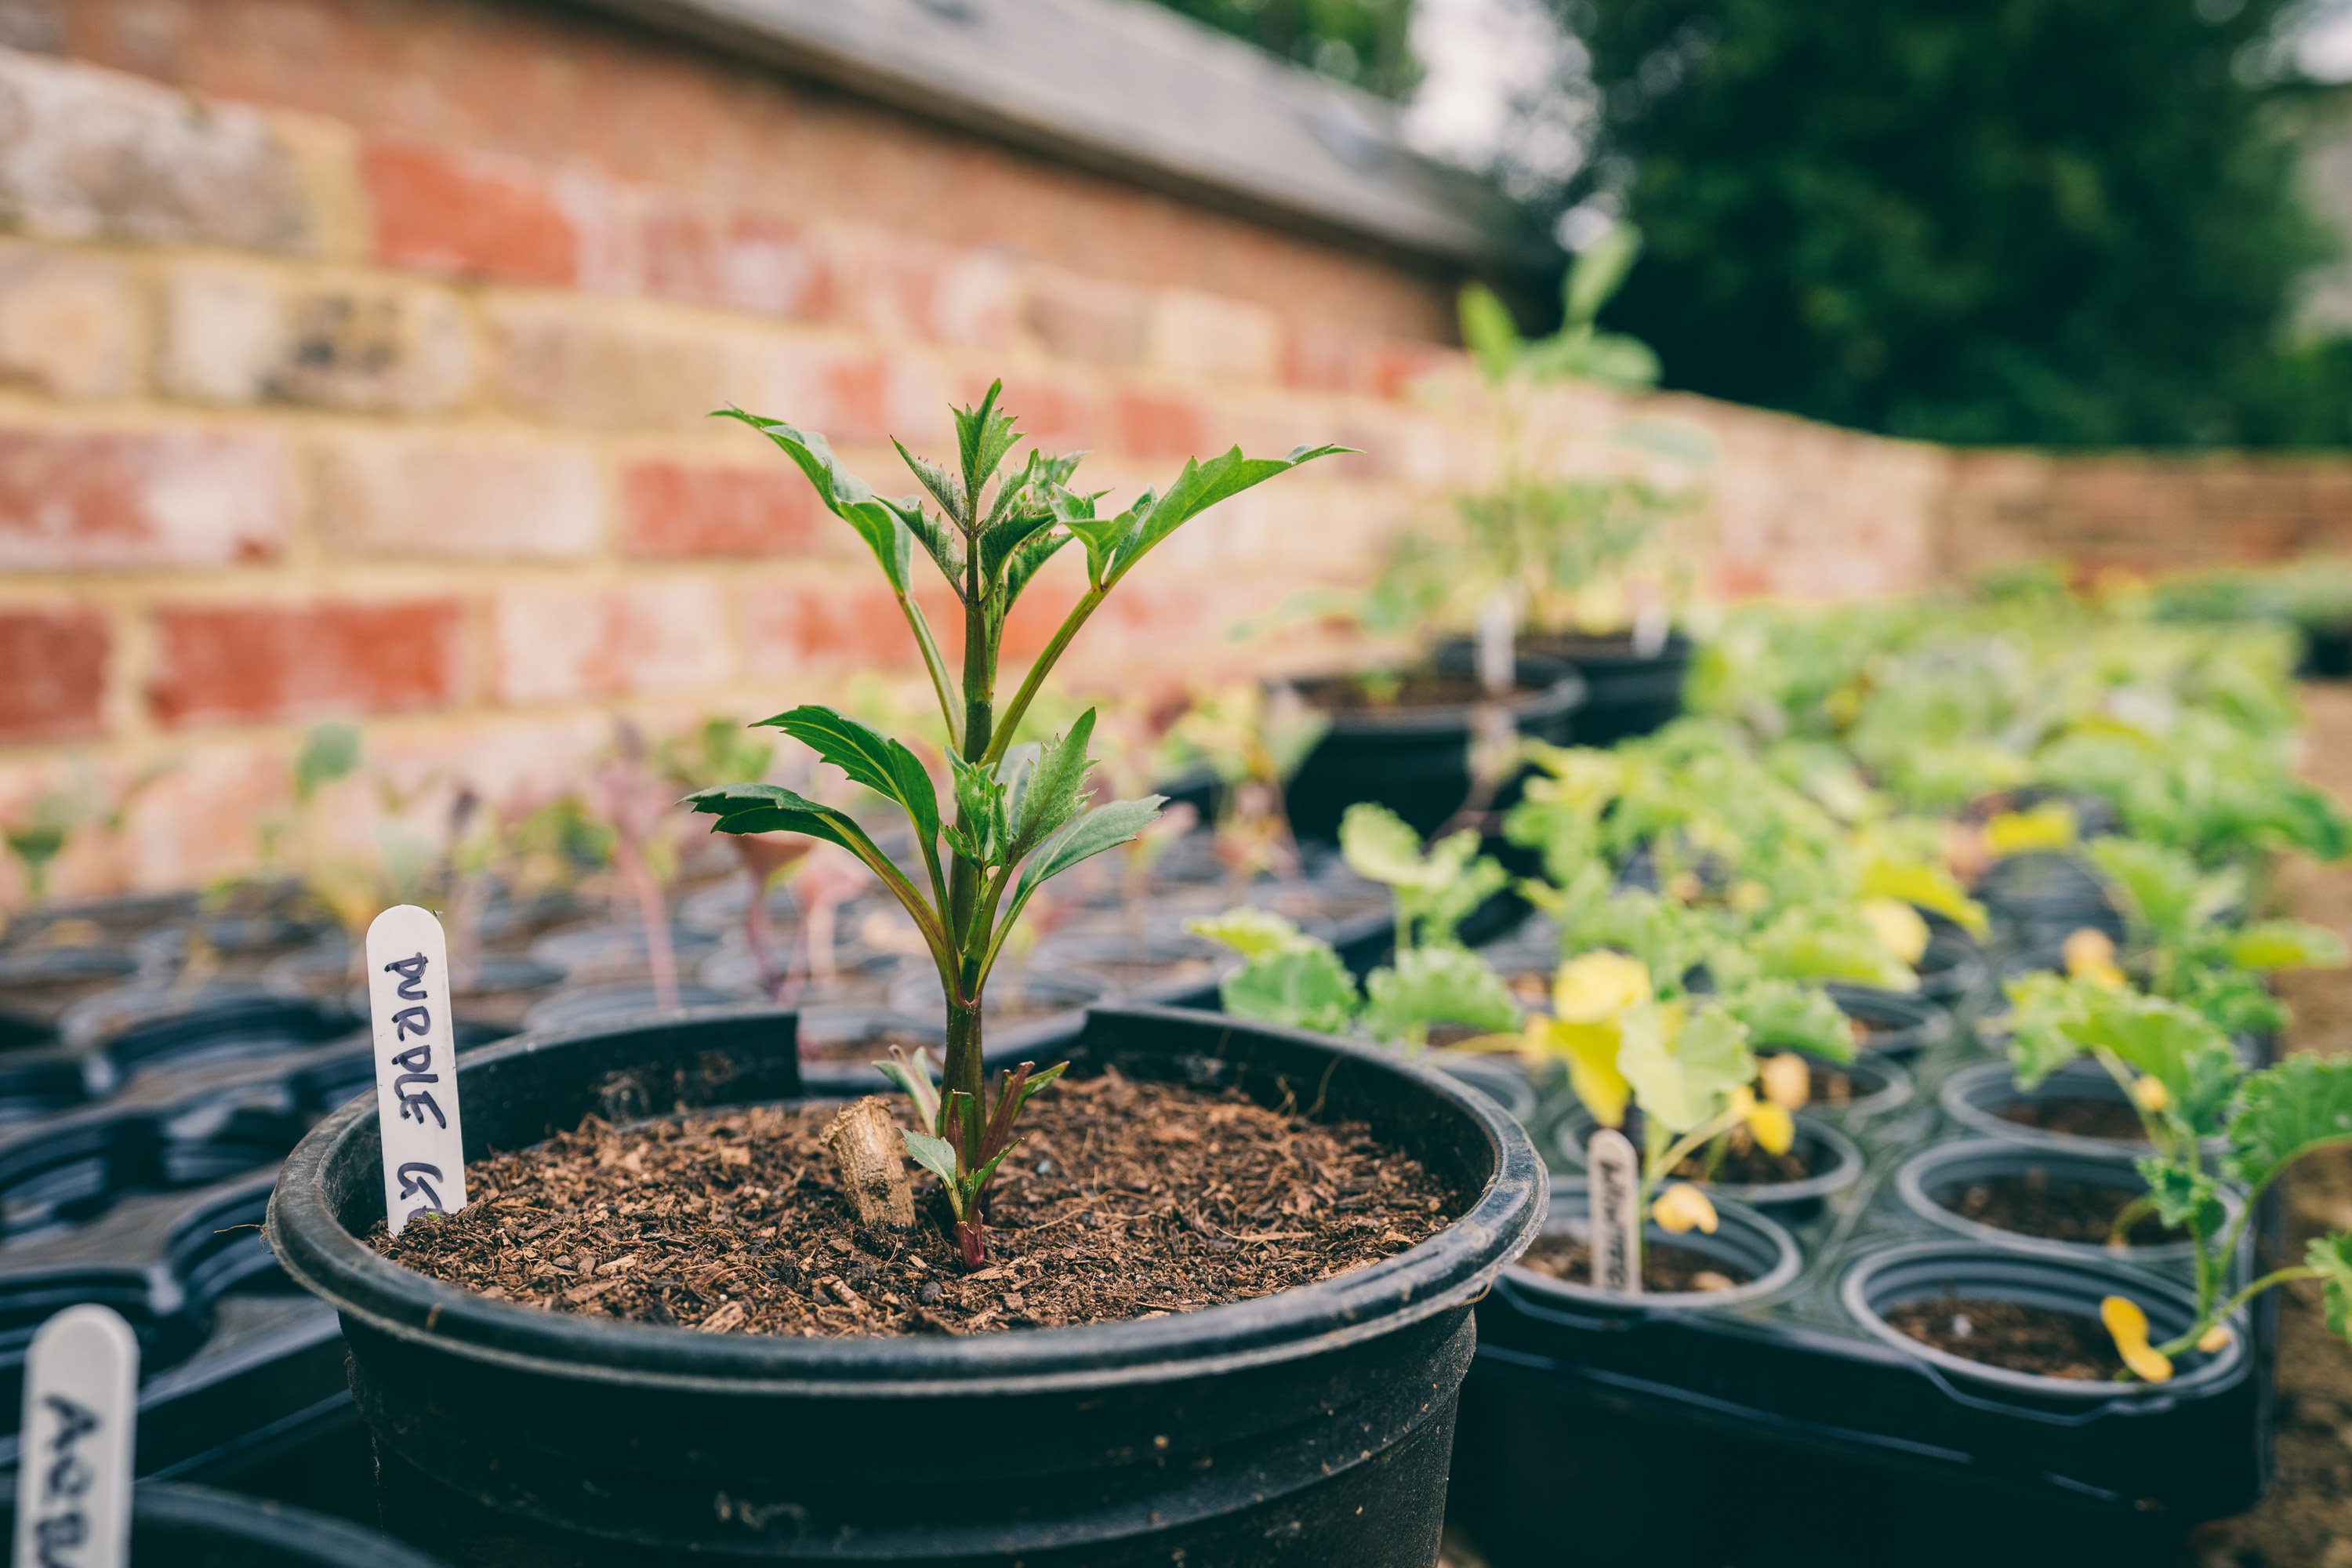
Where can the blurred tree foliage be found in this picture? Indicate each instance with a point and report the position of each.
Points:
(2064, 222)
(1366, 42)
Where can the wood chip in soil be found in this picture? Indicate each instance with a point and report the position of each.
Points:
(1123, 1200)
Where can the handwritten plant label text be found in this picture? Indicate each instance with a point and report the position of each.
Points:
(1614, 1185)
(416, 1067)
(73, 1478)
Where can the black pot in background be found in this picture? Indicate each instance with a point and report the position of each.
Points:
(1171, 968)
(1976, 1096)
(39, 982)
(1897, 1025)
(1313, 1425)
(576, 1006)
(1930, 1179)
(178, 1526)
(2326, 650)
(1416, 761)
(1837, 1165)
(1627, 693)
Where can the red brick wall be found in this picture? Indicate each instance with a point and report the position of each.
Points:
(355, 355)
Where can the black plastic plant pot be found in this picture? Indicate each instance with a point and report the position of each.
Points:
(1627, 693)
(1937, 1183)
(1313, 1425)
(1882, 1281)
(1833, 1158)
(2078, 1106)
(1872, 1084)
(1897, 1024)
(2047, 890)
(1748, 1247)
(1416, 760)
(839, 1045)
(177, 1526)
(39, 982)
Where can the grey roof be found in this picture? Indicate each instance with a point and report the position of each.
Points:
(1131, 89)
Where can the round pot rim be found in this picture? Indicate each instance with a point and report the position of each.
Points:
(1953, 1098)
(1563, 695)
(1892, 1095)
(1853, 1290)
(1911, 1179)
(1789, 1263)
(1447, 1272)
(1842, 1174)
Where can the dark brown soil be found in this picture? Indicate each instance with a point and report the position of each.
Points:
(2011, 1335)
(2030, 1204)
(1388, 692)
(1832, 1087)
(1745, 1163)
(1666, 1268)
(1124, 1200)
(2113, 1119)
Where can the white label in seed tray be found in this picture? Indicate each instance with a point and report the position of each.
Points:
(1614, 1179)
(416, 1067)
(74, 1452)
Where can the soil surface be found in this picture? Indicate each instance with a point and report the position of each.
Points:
(1123, 1200)
(1832, 1087)
(1666, 1268)
(2030, 1203)
(1745, 1163)
(2011, 1335)
(2113, 1119)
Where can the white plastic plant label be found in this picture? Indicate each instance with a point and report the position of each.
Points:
(415, 1065)
(1614, 1180)
(73, 1480)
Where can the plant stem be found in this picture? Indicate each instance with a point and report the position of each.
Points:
(961, 1073)
(2197, 1330)
(1043, 666)
(961, 1070)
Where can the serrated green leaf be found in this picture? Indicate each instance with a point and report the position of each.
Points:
(772, 808)
(2183, 1198)
(2331, 1255)
(934, 479)
(885, 766)
(1027, 561)
(1428, 985)
(939, 541)
(845, 495)
(2176, 1045)
(983, 435)
(1115, 545)
(1781, 1014)
(1250, 931)
(1104, 827)
(2285, 1112)
(2286, 944)
(1683, 1064)
(1052, 788)
(2041, 1005)
(1380, 844)
(1821, 944)
(2163, 892)
(1300, 987)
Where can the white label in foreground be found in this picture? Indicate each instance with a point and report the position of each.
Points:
(1614, 1175)
(416, 1067)
(73, 1476)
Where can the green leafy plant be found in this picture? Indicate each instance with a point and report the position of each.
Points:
(2189, 1090)
(1015, 817)
(37, 836)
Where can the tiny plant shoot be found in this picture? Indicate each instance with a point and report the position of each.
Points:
(1018, 815)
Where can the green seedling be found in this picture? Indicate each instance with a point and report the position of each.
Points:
(1016, 817)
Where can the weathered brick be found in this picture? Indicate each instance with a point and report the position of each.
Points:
(853, 393)
(1191, 334)
(55, 688)
(562, 644)
(477, 497)
(476, 215)
(572, 361)
(1093, 321)
(825, 623)
(674, 510)
(896, 287)
(261, 662)
(87, 152)
(239, 333)
(90, 499)
(737, 261)
(68, 323)
(1146, 424)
